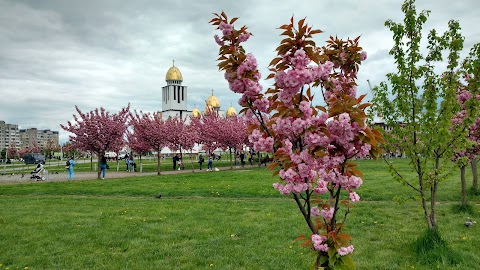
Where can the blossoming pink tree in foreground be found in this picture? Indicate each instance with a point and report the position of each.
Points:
(98, 131)
(313, 145)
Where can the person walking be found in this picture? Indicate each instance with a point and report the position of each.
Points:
(200, 161)
(103, 166)
(180, 163)
(210, 163)
(69, 167)
(127, 158)
(175, 160)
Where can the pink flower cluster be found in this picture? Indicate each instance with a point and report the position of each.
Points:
(260, 143)
(327, 213)
(319, 242)
(345, 250)
(292, 80)
(226, 28)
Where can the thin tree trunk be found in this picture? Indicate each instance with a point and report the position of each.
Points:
(98, 165)
(230, 150)
(191, 161)
(433, 202)
(474, 164)
(464, 185)
(158, 162)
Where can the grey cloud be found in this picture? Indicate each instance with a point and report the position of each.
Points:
(56, 54)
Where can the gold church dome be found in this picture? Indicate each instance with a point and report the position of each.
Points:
(173, 74)
(213, 102)
(231, 112)
(196, 113)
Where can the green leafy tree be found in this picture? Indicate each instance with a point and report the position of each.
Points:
(419, 103)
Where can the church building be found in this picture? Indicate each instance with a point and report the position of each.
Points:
(175, 96)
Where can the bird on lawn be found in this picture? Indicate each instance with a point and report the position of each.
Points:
(469, 223)
(158, 196)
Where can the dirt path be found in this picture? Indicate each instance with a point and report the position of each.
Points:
(59, 177)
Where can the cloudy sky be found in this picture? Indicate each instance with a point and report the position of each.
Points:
(55, 54)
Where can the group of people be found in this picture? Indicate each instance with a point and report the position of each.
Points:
(201, 160)
(178, 163)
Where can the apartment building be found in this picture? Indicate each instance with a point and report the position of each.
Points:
(26, 137)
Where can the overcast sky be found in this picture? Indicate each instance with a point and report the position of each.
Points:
(55, 54)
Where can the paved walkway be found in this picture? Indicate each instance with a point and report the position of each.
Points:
(59, 177)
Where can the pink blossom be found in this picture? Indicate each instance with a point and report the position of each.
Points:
(315, 212)
(345, 250)
(226, 28)
(363, 55)
(327, 213)
(243, 37)
(300, 59)
(319, 242)
(354, 197)
(219, 40)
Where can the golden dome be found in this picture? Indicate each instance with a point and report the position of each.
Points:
(173, 74)
(196, 113)
(213, 102)
(231, 112)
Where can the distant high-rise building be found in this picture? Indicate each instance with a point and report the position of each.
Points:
(31, 136)
(8, 134)
(21, 138)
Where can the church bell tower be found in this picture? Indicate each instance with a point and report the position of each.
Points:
(174, 95)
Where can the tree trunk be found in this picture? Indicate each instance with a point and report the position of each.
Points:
(433, 203)
(91, 162)
(191, 161)
(422, 195)
(464, 185)
(230, 150)
(474, 164)
(99, 171)
(158, 162)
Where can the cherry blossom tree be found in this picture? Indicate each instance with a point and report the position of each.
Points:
(138, 145)
(98, 131)
(313, 145)
(152, 131)
(210, 130)
(233, 135)
(184, 136)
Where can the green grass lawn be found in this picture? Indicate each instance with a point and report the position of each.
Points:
(220, 220)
